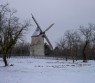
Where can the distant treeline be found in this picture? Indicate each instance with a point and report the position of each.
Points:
(79, 44)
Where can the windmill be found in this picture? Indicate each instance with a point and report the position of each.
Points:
(37, 44)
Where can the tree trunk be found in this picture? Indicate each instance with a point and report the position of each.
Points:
(5, 60)
(76, 53)
(66, 57)
(73, 59)
(84, 52)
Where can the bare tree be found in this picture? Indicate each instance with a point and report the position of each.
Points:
(87, 33)
(75, 42)
(11, 30)
(61, 43)
(70, 42)
(62, 46)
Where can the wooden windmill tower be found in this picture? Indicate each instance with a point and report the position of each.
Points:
(37, 44)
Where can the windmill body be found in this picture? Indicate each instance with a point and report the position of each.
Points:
(37, 46)
(37, 43)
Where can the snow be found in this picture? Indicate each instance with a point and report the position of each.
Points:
(30, 70)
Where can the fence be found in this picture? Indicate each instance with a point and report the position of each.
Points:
(37, 57)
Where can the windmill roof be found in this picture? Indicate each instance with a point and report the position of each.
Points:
(36, 32)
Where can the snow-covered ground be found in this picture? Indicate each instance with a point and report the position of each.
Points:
(31, 70)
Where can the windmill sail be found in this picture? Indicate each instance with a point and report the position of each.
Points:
(49, 27)
(36, 23)
(48, 42)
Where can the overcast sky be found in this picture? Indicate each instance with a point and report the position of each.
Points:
(66, 14)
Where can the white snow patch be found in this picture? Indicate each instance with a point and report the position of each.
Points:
(31, 70)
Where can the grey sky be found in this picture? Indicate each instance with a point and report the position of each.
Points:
(66, 14)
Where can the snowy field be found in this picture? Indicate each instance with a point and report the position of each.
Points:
(31, 70)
